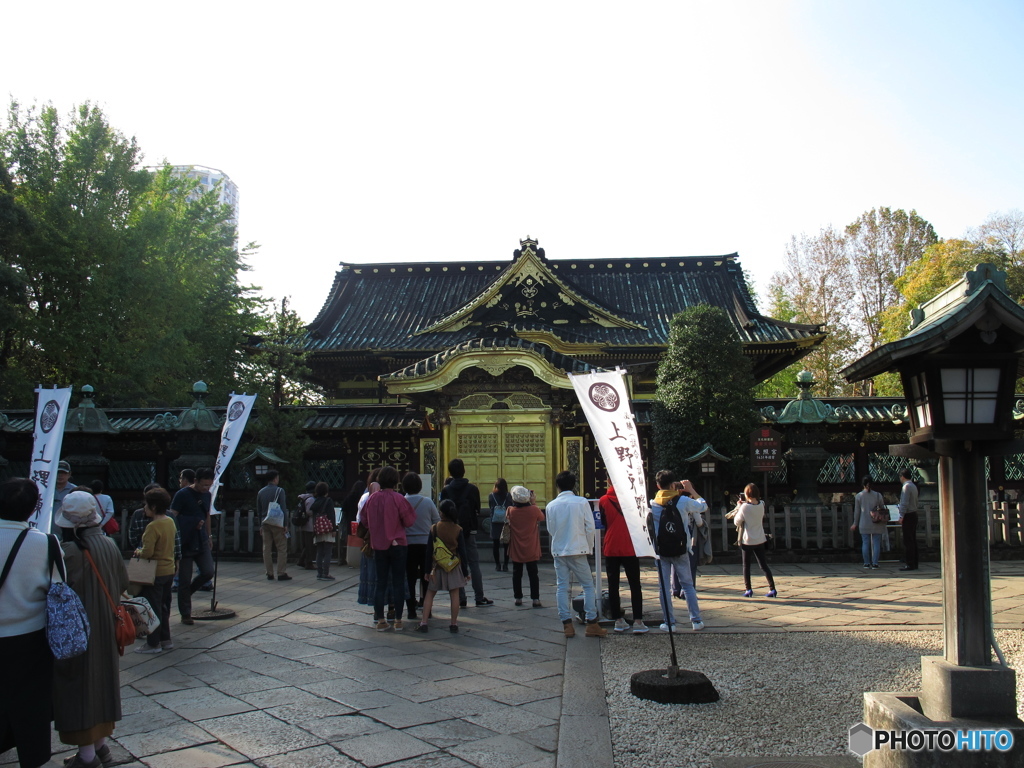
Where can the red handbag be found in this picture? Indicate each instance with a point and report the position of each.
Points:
(124, 625)
(323, 522)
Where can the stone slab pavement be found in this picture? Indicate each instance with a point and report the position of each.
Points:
(299, 678)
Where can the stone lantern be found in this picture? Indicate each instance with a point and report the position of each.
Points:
(196, 432)
(707, 464)
(959, 364)
(261, 461)
(85, 438)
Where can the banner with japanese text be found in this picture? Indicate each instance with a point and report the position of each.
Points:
(239, 408)
(605, 401)
(47, 438)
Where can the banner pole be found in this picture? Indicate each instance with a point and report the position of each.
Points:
(673, 670)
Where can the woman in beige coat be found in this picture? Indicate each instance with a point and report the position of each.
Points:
(87, 688)
(870, 531)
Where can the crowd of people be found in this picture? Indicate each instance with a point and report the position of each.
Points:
(412, 550)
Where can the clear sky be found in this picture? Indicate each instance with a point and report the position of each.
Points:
(408, 131)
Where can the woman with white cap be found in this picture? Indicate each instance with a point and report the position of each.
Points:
(524, 516)
(87, 688)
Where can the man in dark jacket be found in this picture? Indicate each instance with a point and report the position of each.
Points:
(466, 497)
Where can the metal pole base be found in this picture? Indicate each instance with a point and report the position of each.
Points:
(673, 686)
(213, 614)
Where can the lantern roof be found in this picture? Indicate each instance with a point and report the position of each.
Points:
(979, 300)
(262, 453)
(707, 452)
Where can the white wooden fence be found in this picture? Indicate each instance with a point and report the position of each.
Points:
(793, 526)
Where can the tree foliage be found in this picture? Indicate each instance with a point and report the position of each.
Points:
(814, 287)
(1001, 240)
(119, 277)
(276, 369)
(881, 244)
(705, 391)
(276, 366)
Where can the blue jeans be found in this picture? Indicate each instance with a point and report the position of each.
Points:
(870, 547)
(389, 561)
(579, 566)
(680, 566)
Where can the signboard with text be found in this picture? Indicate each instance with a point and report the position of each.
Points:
(765, 450)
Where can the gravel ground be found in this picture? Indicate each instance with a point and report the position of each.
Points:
(793, 693)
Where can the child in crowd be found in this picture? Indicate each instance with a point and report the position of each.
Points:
(448, 532)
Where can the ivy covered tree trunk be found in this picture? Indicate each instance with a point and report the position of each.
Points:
(705, 393)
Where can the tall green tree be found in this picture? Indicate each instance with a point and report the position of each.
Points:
(131, 278)
(276, 368)
(705, 391)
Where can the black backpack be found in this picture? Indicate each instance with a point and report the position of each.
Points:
(463, 512)
(671, 531)
(300, 516)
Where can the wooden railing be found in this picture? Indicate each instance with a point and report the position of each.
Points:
(814, 527)
(794, 527)
(1004, 524)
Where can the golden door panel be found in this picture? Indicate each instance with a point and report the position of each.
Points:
(516, 452)
(479, 447)
(525, 459)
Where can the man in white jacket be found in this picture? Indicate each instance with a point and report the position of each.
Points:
(570, 523)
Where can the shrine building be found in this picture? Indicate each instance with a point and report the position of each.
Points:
(475, 354)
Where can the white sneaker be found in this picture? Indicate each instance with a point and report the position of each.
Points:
(664, 627)
(621, 625)
(639, 628)
(698, 625)
(145, 648)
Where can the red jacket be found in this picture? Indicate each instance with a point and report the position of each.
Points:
(387, 515)
(617, 542)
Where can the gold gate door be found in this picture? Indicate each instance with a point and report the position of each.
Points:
(520, 451)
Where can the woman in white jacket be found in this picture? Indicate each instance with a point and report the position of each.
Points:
(749, 518)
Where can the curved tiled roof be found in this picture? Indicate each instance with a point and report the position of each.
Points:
(389, 306)
(429, 365)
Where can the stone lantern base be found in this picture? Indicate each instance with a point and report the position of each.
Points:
(904, 712)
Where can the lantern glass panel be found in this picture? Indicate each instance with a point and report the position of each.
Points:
(707, 467)
(919, 401)
(969, 395)
(261, 469)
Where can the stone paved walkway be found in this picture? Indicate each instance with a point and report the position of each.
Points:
(300, 678)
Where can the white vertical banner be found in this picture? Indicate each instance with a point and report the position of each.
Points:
(605, 401)
(47, 438)
(239, 408)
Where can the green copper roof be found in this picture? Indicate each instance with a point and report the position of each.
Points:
(806, 409)
(707, 452)
(262, 453)
(87, 417)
